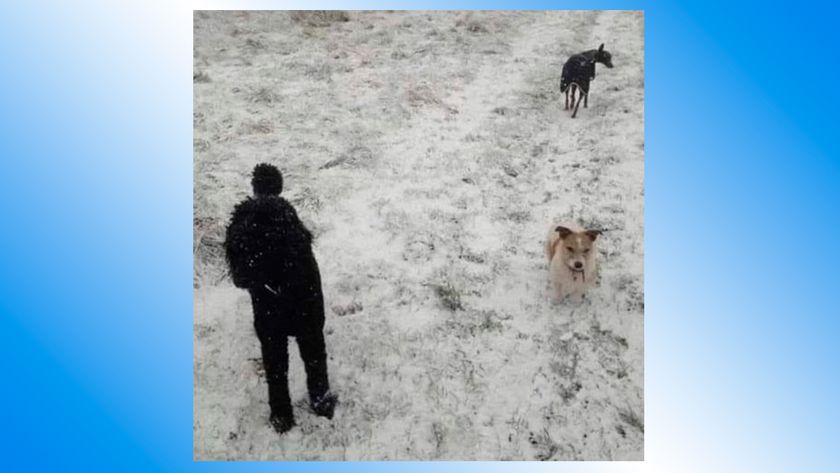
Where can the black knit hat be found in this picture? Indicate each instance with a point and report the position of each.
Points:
(267, 180)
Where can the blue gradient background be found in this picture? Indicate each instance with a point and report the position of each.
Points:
(741, 223)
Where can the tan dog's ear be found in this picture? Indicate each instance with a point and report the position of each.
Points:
(593, 234)
(563, 231)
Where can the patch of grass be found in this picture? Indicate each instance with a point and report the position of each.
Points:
(200, 146)
(319, 72)
(510, 170)
(472, 23)
(567, 393)
(319, 18)
(307, 199)
(489, 321)
(354, 157)
(348, 309)
(438, 436)
(519, 216)
(473, 257)
(636, 302)
(449, 296)
(567, 369)
(263, 126)
(200, 77)
(620, 430)
(420, 246)
(209, 267)
(263, 95)
(422, 94)
(258, 366)
(472, 324)
(632, 419)
(254, 44)
(635, 294)
(601, 337)
(543, 443)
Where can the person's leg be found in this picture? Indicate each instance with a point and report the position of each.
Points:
(313, 350)
(275, 354)
(314, 354)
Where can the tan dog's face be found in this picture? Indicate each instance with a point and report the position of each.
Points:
(577, 248)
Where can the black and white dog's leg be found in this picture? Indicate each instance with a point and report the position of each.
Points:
(580, 99)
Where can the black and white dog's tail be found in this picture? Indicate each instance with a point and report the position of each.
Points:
(564, 80)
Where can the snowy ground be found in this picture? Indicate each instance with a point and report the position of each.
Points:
(428, 152)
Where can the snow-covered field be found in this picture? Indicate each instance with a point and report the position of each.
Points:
(428, 152)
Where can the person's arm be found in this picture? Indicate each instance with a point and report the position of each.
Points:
(298, 223)
(233, 249)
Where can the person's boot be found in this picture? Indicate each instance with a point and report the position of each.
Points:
(282, 424)
(325, 405)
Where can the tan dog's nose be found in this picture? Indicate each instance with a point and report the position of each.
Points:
(578, 264)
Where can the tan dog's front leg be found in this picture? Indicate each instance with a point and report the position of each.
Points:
(557, 294)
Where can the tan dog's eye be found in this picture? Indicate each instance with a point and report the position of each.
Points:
(586, 251)
(569, 248)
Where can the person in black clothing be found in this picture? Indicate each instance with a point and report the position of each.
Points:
(269, 252)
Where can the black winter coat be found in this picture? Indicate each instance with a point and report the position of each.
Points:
(267, 244)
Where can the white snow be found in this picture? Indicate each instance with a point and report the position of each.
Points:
(428, 152)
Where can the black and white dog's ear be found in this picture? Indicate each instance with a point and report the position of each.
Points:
(601, 48)
(563, 231)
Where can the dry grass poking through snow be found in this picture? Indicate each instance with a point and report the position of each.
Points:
(428, 152)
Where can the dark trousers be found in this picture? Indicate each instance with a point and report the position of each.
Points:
(276, 318)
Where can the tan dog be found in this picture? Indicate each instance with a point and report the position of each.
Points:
(571, 261)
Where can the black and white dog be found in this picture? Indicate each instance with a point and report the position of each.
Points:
(578, 71)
